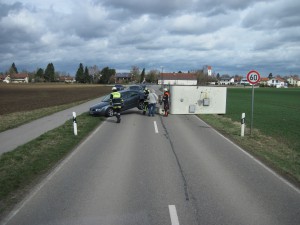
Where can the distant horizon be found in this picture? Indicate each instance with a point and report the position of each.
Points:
(213, 74)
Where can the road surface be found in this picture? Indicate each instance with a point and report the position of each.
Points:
(157, 170)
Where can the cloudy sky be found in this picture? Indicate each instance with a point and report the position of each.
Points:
(233, 36)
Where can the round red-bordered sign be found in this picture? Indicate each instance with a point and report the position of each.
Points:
(253, 77)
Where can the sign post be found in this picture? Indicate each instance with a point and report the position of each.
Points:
(253, 78)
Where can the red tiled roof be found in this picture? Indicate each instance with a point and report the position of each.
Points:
(264, 79)
(62, 78)
(19, 76)
(279, 78)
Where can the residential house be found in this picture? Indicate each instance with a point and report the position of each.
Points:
(123, 77)
(177, 79)
(264, 81)
(67, 79)
(226, 80)
(17, 78)
(276, 82)
(237, 79)
(245, 82)
(295, 81)
(2, 77)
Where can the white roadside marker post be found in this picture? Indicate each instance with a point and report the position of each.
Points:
(74, 123)
(243, 125)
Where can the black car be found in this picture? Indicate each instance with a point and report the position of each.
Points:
(136, 88)
(131, 99)
(119, 87)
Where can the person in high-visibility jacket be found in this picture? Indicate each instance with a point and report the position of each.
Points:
(116, 101)
(146, 93)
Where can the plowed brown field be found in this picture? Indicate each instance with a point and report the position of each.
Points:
(26, 97)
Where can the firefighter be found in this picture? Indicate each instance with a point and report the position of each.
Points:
(146, 93)
(116, 102)
(166, 101)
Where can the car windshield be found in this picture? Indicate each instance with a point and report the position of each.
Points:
(106, 98)
(137, 88)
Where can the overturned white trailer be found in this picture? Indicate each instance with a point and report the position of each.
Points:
(198, 100)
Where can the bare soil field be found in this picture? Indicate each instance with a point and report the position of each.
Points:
(27, 97)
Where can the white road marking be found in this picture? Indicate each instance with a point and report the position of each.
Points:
(155, 127)
(173, 215)
(46, 180)
(257, 161)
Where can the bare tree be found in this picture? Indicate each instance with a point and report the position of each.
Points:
(135, 71)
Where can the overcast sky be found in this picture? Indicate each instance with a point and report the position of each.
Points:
(233, 36)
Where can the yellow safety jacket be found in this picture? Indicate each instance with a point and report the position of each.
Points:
(116, 100)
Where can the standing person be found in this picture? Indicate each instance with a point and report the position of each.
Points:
(146, 93)
(166, 101)
(116, 102)
(152, 100)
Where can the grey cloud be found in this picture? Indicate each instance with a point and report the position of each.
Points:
(137, 7)
(5, 9)
(10, 34)
(177, 34)
(263, 45)
(172, 7)
(16, 27)
(273, 16)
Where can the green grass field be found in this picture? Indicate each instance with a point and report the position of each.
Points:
(276, 126)
(276, 112)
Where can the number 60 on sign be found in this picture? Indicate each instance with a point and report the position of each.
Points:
(253, 77)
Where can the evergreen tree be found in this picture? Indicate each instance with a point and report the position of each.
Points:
(13, 69)
(39, 74)
(87, 77)
(142, 76)
(80, 74)
(270, 76)
(106, 74)
(50, 73)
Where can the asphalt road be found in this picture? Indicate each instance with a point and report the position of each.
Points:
(157, 170)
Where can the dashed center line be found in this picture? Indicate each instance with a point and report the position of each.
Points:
(155, 127)
(173, 215)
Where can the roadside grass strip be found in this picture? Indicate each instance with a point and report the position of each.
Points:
(275, 135)
(275, 154)
(24, 166)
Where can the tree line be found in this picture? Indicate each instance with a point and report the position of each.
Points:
(93, 75)
(86, 74)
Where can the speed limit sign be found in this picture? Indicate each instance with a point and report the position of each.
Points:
(253, 77)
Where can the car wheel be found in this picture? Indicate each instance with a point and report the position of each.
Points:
(141, 105)
(109, 112)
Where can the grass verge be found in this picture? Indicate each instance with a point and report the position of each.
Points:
(16, 119)
(277, 155)
(23, 167)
